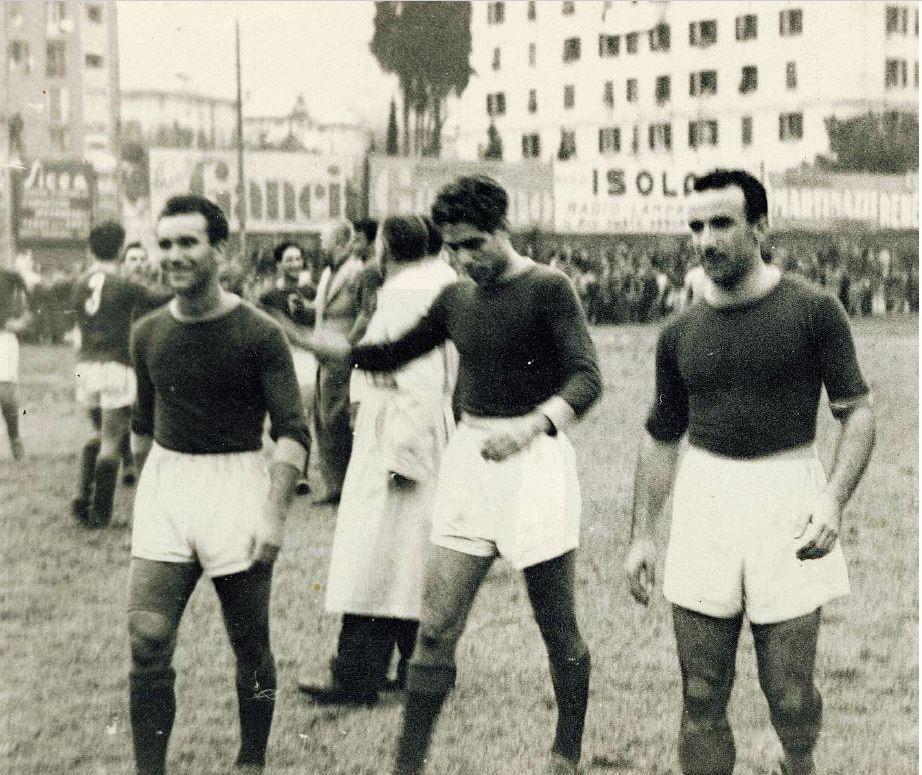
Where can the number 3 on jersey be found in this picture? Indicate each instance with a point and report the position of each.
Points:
(95, 283)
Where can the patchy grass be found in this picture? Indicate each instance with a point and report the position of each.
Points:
(64, 648)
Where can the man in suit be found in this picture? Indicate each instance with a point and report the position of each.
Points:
(337, 308)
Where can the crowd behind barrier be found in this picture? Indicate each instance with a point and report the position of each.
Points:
(621, 283)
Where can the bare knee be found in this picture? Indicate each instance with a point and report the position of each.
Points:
(153, 637)
(704, 701)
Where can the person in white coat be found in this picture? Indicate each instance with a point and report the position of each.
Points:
(385, 515)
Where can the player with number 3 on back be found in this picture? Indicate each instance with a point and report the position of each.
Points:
(105, 303)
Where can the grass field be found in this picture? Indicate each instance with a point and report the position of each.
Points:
(64, 651)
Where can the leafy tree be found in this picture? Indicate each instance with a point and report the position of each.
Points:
(393, 141)
(494, 144)
(882, 143)
(427, 45)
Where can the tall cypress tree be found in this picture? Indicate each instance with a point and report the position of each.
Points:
(393, 143)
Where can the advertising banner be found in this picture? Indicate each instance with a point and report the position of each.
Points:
(53, 202)
(630, 198)
(400, 186)
(285, 192)
(814, 201)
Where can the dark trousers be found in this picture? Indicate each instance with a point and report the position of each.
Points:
(365, 647)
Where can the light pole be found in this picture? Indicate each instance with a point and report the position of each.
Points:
(241, 190)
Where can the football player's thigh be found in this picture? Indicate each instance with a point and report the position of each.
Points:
(163, 588)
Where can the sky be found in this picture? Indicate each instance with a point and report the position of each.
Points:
(319, 49)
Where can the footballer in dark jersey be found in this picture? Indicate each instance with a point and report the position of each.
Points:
(105, 303)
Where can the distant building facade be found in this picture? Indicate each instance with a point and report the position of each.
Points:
(682, 84)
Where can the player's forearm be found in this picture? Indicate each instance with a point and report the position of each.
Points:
(853, 451)
(286, 466)
(140, 449)
(20, 324)
(656, 463)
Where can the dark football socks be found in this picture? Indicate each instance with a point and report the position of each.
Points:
(104, 492)
(153, 708)
(256, 707)
(571, 690)
(427, 688)
(88, 456)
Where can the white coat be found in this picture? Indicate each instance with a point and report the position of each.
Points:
(403, 425)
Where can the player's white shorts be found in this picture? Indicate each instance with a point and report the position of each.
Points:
(9, 357)
(525, 508)
(105, 384)
(733, 542)
(201, 508)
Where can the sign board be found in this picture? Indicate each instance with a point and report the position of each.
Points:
(630, 198)
(638, 198)
(400, 186)
(53, 202)
(285, 192)
(824, 202)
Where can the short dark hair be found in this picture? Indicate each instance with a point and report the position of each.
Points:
(406, 236)
(215, 219)
(279, 250)
(435, 236)
(475, 199)
(753, 190)
(134, 244)
(106, 240)
(367, 227)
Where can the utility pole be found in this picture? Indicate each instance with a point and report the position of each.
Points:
(241, 189)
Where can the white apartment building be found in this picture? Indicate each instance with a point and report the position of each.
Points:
(682, 85)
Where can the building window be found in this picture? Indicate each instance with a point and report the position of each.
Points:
(702, 83)
(571, 49)
(659, 37)
(14, 13)
(496, 13)
(608, 94)
(632, 90)
(569, 96)
(532, 54)
(18, 56)
(609, 45)
(749, 78)
(56, 17)
(567, 144)
(496, 59)
(660, 137)
(702, 133)
(791, 22)
(896, 74)
(791, 126)
(94, 13)
(532, 11)
(897, 20)
(58, 105)
(635, 139)
(531, 146)
(55, 64)
(532, 100)
(568, 7)
(791, 75)
(632, 42)
(94, 61)
(703, 33)
(496, 104)
(663, 89)
(59, 136)
(747, 27)
(746, 130)
(609, 139)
